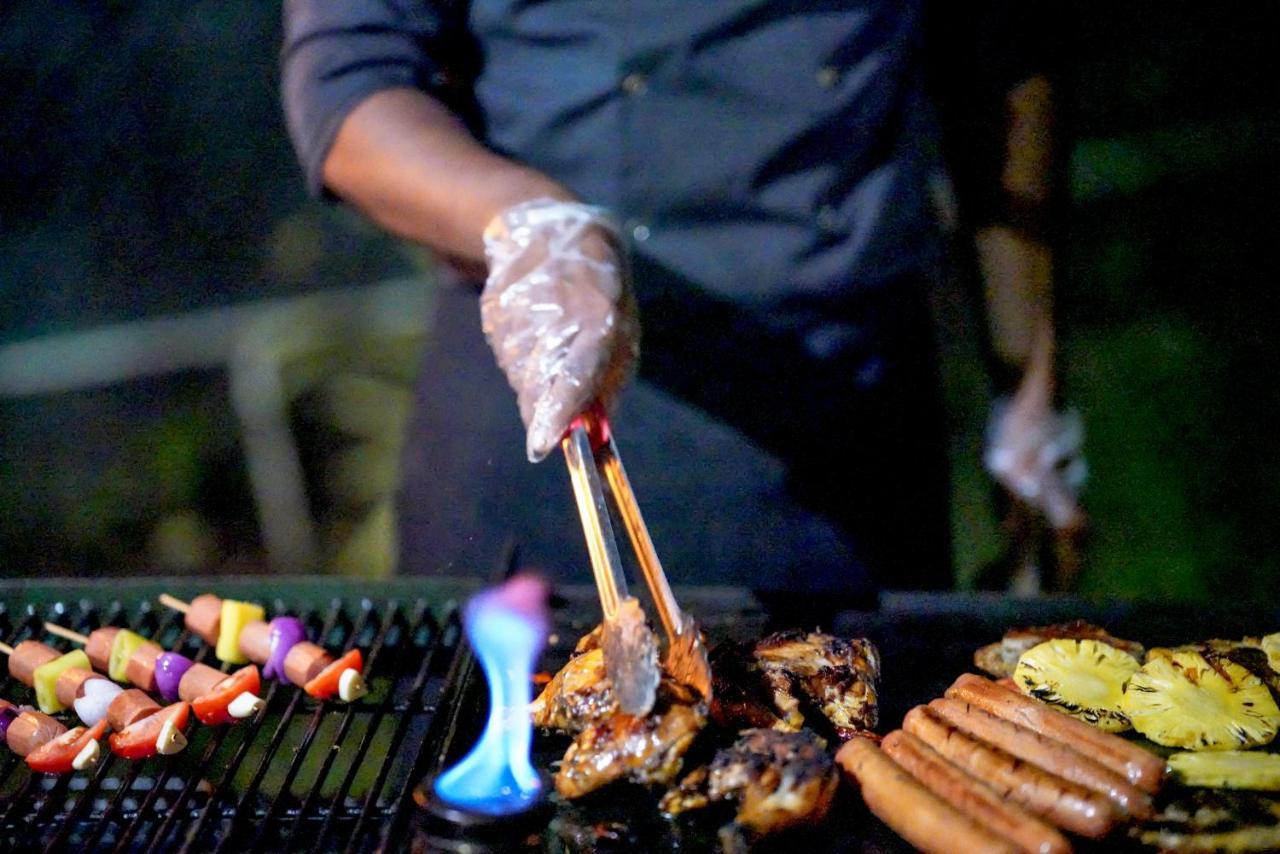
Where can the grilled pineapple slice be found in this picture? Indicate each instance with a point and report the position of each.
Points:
(1271, 646)
(1184, 700)
(1228, 769)
(1084, 678)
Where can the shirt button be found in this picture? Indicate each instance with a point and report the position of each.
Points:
(828, 76)
(635, 84)
(640, 233)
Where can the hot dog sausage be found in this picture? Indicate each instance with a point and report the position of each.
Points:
(1053, 756)
(198, 681)
(1140, 767)
(911, 810)
(26, 657)
(129, 707)
(255, 641)
(973, 797)
(69, 684)
(141, 669)
(99, 645)
(1066, 804)
(204, 617)
(30, 730)
(305, 661)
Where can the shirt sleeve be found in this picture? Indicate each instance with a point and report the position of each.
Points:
(336, 53)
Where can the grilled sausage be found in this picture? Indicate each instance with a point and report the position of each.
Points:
(1140, 767)
(68, 686)
(130, 707)
(26, 657)
(255, 641)
(140, 669)
(911, 810)
(973, 797)
(30, 730)
(1053, 756)
(1066, 804)
(98, 647)
(305, 661)
(204, 617)
(198, 681)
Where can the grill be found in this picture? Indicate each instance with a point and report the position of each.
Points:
(328, 777)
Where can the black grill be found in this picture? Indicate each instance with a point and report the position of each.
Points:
(302, 776)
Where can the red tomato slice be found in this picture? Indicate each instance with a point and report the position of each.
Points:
(56, 756)
(211, 709)
(325, 685)
(138, 740)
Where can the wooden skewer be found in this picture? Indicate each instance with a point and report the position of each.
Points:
(173, 602)
(63, 632)
(6, 649)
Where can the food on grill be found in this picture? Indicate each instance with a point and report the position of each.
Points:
(1084, 678)
(74, 750)
(1061, 802)
(779, 779)
(971, 797)
(911, 810)
(159, 731)
(45, 679)
(1228, 769)
(1044, 752)
(1270, 644)
(999, 659)
(129, 707)
(29, 729)
(93, 698)
(239, 634)
(26, 657)
(1214, 821)
(1184, 700)
(1140, 767)
(643, 749)
(783, 676)
(577, 695)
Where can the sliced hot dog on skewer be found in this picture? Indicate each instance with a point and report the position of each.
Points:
(31, 729)
(305, 661)
(98, 647)
(204, 617)
(27, 657)
(1049, 754)
(74, 750)
(341, 679)
(199, 680)
(232, 699)
(129, 707)
(1066, 804)
(973, 797)
(911, 810)
(158, 733)
(1140, 767)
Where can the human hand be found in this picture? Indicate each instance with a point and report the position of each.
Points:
(557, 312)
(1035, 453)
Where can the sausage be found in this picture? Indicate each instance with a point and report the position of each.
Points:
(129, 707)
(68, 686)
(141, 667)
(98, 647)
(305, 661)
(1053, 756)
(255, 641)
(30, 730)
(1140, 767)
(27, 656)
(972, 797)
(204, 617)
(198, 681)
(911, 810)
(1066, 804)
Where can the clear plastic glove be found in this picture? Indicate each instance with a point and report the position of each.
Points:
(557, 312)
(1035, 453)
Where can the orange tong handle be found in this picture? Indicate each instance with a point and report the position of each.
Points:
(596, 423)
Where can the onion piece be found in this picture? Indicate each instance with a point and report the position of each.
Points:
(170, 667)
(95, 696)
(286, 632)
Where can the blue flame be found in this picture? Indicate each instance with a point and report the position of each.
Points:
(507, 628)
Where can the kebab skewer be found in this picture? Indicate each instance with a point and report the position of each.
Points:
(239, 632)
(42, 740)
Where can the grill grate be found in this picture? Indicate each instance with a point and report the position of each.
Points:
(302, 776)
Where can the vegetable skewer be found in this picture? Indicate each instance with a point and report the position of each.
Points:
(44, 742)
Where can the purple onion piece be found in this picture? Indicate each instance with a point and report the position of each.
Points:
(170, 667)
(285, 633)
(7, 715)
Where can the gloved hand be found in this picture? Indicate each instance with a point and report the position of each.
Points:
(557, 312)
(1035, 453)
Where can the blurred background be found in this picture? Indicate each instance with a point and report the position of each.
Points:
(202, 370)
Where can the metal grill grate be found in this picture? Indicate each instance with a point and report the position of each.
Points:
(302, 776)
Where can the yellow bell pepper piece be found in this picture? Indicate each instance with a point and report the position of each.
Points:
(46, 676)
(235, 616)
(122, 649)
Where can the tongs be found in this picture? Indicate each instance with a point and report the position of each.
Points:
(630, 654)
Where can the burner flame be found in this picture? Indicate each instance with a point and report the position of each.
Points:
(507, 628)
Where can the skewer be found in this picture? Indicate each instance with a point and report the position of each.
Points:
(63, 632)
(173, 602)
(6, 649)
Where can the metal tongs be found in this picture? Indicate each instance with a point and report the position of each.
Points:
(630, 654)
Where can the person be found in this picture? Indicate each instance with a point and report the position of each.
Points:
(743, 193)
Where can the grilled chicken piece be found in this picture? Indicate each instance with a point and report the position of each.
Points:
(577, 696)
(999, 659)
(648, 749)
(780, 780)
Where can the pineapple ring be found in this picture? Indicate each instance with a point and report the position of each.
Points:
(1084, 678)
(1271, 646)
(1228, 769)
(1184, 701)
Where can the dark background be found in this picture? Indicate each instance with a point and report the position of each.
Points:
(145, 173)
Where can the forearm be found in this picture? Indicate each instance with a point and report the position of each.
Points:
(411, 166)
